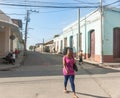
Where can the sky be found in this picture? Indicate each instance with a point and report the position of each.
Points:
(49, 21)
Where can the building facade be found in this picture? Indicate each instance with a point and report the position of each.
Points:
(10, 35)
(89, 40)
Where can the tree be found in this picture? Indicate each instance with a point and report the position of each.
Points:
(56, 36)
(31, 48)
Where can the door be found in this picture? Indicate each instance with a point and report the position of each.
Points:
(65, 42)
(92, 44)
(61, 49)
(71, 41)
(116, 43)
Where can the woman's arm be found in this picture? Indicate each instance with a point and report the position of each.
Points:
(64, 64)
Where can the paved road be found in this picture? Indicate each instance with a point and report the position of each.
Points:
(41, 77)
(42, 64)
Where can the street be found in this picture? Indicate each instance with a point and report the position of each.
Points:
(40, 76)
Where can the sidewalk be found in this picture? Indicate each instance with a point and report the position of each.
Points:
(6, 67)
(115, 66)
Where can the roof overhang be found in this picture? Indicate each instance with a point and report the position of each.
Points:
(14, 28)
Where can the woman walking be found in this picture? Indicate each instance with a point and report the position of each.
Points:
(68, 71)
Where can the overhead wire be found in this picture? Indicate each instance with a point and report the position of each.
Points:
(55, 3)
(54, 6)
(86, 2)
(82, 4)
(112, 3)
(46, 6)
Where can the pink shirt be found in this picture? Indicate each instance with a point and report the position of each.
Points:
(69, 66)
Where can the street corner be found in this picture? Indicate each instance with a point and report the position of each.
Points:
(114, 66)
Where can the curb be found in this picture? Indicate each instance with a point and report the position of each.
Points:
(9, 68)
(102, 66)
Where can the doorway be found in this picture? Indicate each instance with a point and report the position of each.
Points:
(92, 43)
(116, 42)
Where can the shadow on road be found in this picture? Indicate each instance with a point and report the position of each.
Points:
(89, 95)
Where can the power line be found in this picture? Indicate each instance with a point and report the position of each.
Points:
(55, 3)
(86, 2)
(53, 11)
(112, 3)
(57, 11)
(47, 6)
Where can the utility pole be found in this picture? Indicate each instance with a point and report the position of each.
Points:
(79, 40)
(43, 44)
(26, 30)
(101, 24)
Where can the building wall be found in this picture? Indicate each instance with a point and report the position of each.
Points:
(2, 41)
(6, 44)
(71, 31)
(7, 40)
(6, 29)
(39, 49)
(88, 23)
(111, 20)
(93, 22)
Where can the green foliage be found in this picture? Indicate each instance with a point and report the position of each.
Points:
(31, 48)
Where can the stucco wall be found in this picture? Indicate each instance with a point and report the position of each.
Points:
(111, 20)
(2, 41)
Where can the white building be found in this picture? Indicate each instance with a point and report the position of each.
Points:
(90, 36)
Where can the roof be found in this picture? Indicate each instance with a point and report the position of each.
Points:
(17, 22)
(5, 18)
(49, 42)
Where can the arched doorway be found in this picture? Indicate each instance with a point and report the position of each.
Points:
(116, 43)
(92, 44)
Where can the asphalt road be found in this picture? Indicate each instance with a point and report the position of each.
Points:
(44, 64)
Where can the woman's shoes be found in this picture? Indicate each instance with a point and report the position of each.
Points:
(65, 91)
(74, 96)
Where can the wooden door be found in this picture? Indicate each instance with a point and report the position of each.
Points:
(65, 42)
(92, 44)
(80, 41)
(71, 41)
(61, 49)
(116, 43)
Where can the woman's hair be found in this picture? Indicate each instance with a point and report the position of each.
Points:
(70, 50)
(66, 49)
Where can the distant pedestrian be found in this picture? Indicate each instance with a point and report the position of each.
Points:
(13, 58)
(68, 71)
(8, 58)
(53, 49)
(16, 53)
(81, 57)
